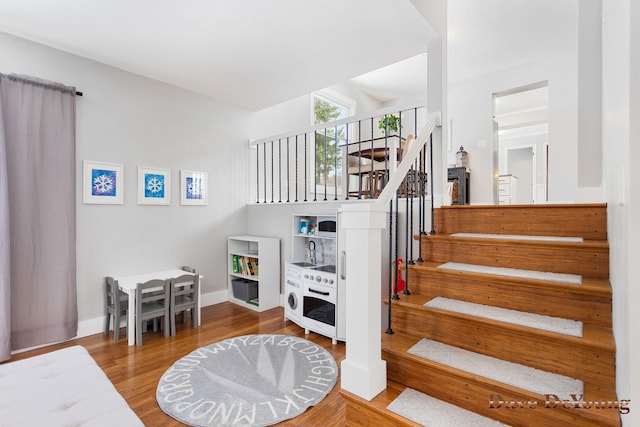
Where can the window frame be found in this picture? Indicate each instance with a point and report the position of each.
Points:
(349, 107)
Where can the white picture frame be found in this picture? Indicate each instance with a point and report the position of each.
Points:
(154, 186)
(102, 183)
(193, 188)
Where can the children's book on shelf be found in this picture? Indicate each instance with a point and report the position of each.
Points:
(244, 265)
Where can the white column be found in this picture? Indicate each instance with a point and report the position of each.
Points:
(364, 373)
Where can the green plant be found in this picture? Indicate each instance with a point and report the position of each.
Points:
(389, 123)
(328, 156)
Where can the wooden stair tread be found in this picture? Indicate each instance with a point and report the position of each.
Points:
(585, 259)
(567, 220)
(589, 286)
(398, 344)
(377, 413)
(564, 305)
(584, 245)
(403, 347)
(589, 302)
(592, 336)
(526, 206)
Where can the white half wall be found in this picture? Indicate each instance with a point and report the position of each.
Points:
(125, 118)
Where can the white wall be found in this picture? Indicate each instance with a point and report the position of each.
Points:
(471, 112)
(589, 93)
(294, 115)
(285, 117)
(621, 93)
(128, 119)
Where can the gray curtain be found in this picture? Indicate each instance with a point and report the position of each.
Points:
(37, 213)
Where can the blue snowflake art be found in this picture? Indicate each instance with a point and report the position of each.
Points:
(194, 188)
(103, 182)
(153, 186)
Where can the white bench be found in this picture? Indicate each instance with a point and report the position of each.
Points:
(62, 388)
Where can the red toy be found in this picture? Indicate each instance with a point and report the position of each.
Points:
(400, 284)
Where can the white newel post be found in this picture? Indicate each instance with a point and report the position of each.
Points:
(364, 373)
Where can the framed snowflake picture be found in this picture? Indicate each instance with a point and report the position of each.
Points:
(193, 188)
(154, 186)
(102, 183)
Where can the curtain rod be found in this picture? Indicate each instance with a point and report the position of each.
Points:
(38, 82)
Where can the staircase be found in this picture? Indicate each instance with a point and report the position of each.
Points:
(588, 357)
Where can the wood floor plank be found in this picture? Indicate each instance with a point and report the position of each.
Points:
(135, 371)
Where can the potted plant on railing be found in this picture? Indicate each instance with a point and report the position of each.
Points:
(389, 124)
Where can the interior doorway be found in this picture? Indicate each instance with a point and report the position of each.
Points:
(521, 163)
(522, 131)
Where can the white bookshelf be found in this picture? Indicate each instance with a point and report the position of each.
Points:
(258, 260)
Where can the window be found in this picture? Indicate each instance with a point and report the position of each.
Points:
(328, 154)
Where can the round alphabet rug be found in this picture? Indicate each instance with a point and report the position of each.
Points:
(250, 380)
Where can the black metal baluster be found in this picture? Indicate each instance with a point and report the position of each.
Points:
(273, 182)
(372, 189)
(419, 192)
(407, 237)
(359, 159)
(258, 173)
(412, 193)
(296, 168)
(429, 177)
(346, 160)
(420, 176)
(387, 157)
(288, 176)
(315, 168)
(280, 170)
(335, 164)
(414, 184)
(264, 170)
(389, 261)
(433, 226)
(386, 145)
(395, 253)
(421, 212)
(326, 165)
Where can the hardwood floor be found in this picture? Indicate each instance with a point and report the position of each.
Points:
(135, 371)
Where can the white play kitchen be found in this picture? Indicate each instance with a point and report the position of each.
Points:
(314, 289)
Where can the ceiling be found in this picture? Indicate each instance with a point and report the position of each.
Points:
(256, 54)
(251, 53)
(489, 35)
(400, 80)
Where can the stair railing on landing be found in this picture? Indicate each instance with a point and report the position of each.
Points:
(346, 159)
(408, 178)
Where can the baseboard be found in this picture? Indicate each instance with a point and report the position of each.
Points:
(94, 325)
(212, 298)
